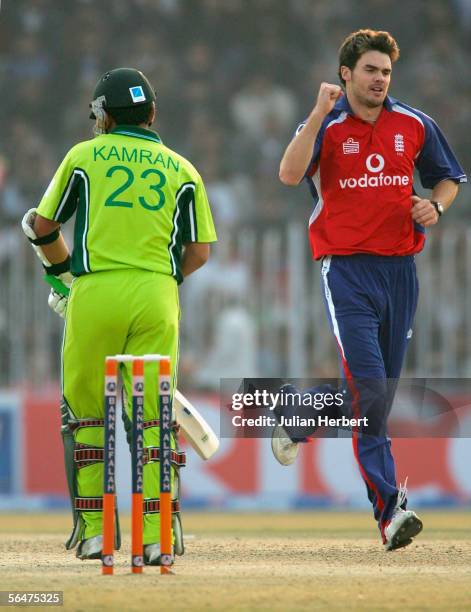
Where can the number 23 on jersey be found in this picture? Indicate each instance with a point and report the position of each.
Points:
(129, 178)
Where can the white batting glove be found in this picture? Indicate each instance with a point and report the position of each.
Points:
(59, 295)
(58, 303)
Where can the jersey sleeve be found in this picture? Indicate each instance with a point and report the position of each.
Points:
(199, 224)
(436, 161)
(59, 202)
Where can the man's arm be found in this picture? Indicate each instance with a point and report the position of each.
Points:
(50, 247)
(299, 151)
(56, 251)
(195, 255)
(424, 212)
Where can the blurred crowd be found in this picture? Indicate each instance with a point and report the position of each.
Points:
(233, 80)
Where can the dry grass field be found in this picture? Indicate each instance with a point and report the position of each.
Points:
(298, 561)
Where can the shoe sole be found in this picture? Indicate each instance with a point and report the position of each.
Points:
(275, 436)
(408, 530)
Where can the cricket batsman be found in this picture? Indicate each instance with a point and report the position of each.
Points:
(357, 152)
(142, 224)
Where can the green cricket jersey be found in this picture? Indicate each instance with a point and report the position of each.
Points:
(136, 202)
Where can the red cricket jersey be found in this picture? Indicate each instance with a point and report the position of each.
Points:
(361, 177)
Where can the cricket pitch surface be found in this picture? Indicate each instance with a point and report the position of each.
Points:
(247, 561)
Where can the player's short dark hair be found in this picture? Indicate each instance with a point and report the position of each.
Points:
(131, 116)
(359, 42)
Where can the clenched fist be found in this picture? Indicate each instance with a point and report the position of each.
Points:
(423, 211)
(327, 97)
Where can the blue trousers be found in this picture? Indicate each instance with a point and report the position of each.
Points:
(371, 303)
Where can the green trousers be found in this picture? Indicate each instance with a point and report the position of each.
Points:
(115, 312)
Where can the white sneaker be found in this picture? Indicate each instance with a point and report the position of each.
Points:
(284, 449)
(90, 548)
(403, 526)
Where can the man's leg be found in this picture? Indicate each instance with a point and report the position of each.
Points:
(95, 327)
(296, 404)
(354, 317)
(356, 304)
(372, 346)
(396, 331)
(154, 312)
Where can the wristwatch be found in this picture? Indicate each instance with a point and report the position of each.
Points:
(438, 207)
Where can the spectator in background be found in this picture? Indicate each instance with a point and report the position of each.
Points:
(227, 63)
(219, 66)
(12, 201)
(258, 102)
(233, 350)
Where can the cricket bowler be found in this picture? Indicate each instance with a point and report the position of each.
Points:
(357, 152)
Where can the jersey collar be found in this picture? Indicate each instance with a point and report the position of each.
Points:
(136, 132)
(343, 104)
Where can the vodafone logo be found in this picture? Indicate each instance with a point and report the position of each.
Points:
(375, 162)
